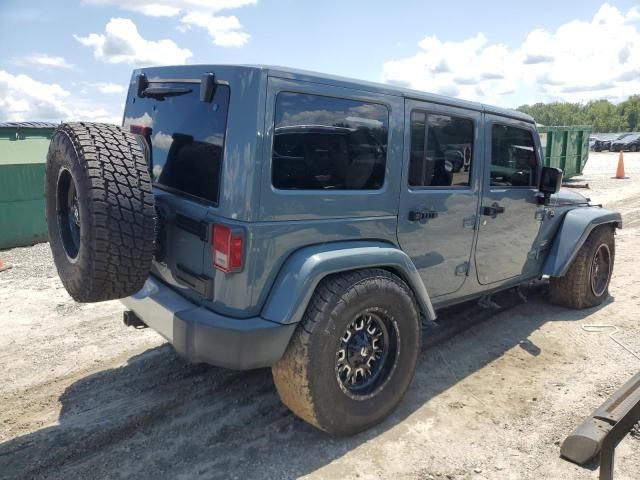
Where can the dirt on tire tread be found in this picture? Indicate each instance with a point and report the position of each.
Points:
(572, 290)
(291, 374)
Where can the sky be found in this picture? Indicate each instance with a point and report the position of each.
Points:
(72, 59)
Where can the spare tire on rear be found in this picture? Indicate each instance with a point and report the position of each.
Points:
(100, 211)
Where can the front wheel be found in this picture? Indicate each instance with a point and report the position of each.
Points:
(354, 354)
(586, 284)
(634, 148)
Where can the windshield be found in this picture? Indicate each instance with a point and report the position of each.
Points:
(186, 138)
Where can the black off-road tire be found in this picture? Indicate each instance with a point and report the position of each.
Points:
(574, 290)
(103, 238)
(306, 376)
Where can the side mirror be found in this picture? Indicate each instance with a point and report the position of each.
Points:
(551, 180)
(550, 183)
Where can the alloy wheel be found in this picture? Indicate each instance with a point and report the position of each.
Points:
(366, 353)
(600, 270)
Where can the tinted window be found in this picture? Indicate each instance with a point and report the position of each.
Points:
(441, 150)
(513, 157)
(186, 138)
(324, 143)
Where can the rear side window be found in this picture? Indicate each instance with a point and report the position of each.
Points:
(326, 143)
(513, 157)
(186, 137)
(441, 150)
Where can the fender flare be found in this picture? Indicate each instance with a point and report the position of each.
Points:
(573, 232)
(304, 269)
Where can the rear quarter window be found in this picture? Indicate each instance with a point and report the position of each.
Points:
(327, 143)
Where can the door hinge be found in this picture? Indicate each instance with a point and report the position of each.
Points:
(462, 269)
(543, 213)
(536, 253)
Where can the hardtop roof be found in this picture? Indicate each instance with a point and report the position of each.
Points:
(292, 73)
(322, 78)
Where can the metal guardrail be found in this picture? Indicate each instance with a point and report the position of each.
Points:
(605, 428)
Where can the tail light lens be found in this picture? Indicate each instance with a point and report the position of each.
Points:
(140, 130)
(227, 249)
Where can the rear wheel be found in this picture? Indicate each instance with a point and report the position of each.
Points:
(354, 354)
(634, 148)
(586, 283)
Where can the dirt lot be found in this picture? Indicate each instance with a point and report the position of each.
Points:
(84, 397)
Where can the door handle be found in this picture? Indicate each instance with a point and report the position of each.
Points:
(417, 215)
(493, 211)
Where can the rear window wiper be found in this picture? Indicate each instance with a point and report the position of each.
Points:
(207, 88)
(161, 93)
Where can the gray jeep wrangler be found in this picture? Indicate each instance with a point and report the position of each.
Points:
(267, 217)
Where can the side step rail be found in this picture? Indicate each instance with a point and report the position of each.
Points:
(605, 429)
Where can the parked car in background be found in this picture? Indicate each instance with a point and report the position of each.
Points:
(629, 143)
(603, 141)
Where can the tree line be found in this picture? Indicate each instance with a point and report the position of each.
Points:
(602, 115)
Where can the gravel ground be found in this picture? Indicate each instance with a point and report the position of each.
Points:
(84, 397)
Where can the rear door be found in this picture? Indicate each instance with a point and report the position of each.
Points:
(509, 220)
(184, 137)
(440, 192)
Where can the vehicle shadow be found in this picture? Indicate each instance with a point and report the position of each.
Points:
(160, 417)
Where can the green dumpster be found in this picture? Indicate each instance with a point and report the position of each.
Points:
(565, 147)
(23, 151)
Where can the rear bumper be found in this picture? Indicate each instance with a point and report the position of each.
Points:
(201, 335)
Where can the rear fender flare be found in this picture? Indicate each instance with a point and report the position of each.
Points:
(573, 232)
(304, 269)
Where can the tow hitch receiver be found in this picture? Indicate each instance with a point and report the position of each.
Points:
(605, 428)
(130, 319)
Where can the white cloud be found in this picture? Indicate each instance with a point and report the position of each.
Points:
(86, 88)
(24, 99)
(171, 8)
(44, 60)
(122, 43)
(144, 120)
(579, 61)
(224, 31)
(108, 87)
(162, 141)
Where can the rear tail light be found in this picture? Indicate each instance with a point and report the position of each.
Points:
(140, 130)
(226, 251)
